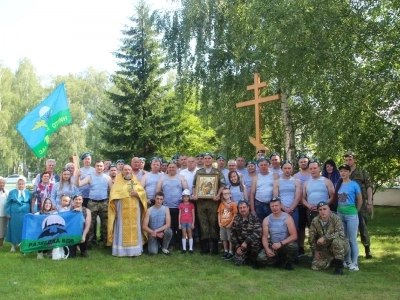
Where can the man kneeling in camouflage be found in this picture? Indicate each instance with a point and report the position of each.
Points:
(327, 240)
(246, 236)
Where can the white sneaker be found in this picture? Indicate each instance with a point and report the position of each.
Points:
(353, 267)
(12, 248)
(346, 264)
(165, 251)
(40, 255)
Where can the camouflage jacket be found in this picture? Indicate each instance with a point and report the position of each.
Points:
(332, 230)
(363, 179)
(245, 230)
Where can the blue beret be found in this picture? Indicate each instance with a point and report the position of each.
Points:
(262, 158)
(84, 155)
(221, 157)
(120, 161)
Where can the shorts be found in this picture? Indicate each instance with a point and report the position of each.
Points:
(186, 225)
(225, 233)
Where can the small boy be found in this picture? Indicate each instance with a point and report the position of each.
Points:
(65, 204)
(226, 211)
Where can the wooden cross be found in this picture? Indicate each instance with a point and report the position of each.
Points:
(256, 86)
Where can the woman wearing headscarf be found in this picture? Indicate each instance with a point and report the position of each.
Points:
(17, 206)
(3, 218)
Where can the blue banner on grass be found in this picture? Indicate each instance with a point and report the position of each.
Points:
(44, 232)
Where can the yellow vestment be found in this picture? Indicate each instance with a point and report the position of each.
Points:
(121, 190)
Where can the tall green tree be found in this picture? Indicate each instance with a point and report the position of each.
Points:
(145, 116)
(335, 64)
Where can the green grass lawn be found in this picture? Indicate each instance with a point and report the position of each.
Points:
(181, 276)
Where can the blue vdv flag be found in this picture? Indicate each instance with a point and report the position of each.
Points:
(37, 126)
(44, 232)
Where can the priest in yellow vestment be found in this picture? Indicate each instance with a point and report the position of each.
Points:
(126, 210)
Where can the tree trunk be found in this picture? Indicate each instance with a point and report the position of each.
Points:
(288, 126)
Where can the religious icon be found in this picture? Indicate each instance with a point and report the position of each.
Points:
(206, 185)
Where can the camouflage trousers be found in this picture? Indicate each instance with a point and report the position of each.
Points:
(335, 249)
(362, 225)
(98, 208)
(286, 254)
(248, 256)
(208, 218)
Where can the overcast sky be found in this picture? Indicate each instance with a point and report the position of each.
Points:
(64, 36)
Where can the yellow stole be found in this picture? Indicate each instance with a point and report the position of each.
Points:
(121, 190)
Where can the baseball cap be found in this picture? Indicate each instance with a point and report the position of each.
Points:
(349, 154)
(185, 192)
(344, 166)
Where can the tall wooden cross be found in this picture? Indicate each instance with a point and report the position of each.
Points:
(256, 86)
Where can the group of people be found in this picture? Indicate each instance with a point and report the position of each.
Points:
(258, 208)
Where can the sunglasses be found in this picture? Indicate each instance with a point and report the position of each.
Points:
(313, 160)
(66, 169)
(172, 162)
(244, 201)
(275, 199)
(275, 154)
(287, 161)
(250, 162)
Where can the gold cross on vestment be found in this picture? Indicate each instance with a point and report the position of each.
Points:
(256, 86)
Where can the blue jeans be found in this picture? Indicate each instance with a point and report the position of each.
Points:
(153, 243)
(263, 210)
(295, 216)
(350, 224)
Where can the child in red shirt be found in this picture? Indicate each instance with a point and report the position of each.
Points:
(186, 221)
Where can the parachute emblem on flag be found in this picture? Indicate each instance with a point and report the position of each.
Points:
(52, 226)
